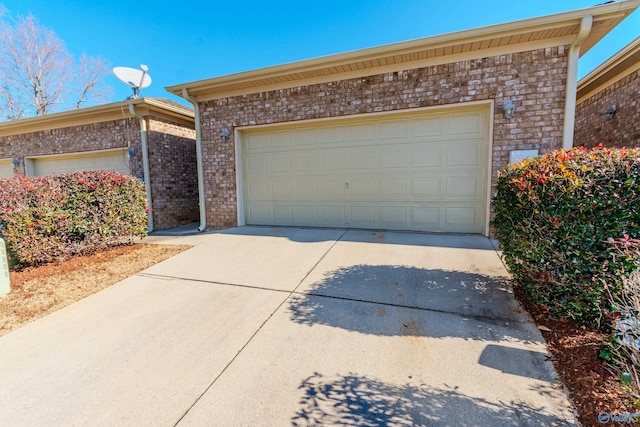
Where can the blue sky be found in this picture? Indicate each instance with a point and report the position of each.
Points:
(183, 41)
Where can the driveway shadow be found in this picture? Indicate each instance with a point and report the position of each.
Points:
(394, 288)
(509, 360)
(389, 237)
(354, 400)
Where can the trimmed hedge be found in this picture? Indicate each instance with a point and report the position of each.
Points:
(555, 217)
(51, 218)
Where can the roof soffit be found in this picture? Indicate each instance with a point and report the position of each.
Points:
(98, 114)
(552, 30)
(620, 65)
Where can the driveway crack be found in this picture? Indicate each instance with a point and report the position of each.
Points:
(294, 291)
(289, 294)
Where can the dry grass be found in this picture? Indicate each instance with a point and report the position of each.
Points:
(36, 292)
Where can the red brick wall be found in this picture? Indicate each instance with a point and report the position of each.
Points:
(75, 139)
(623, 130)
(534, 80)
(172, 167)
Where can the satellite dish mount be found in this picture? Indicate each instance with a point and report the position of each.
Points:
(134, 78)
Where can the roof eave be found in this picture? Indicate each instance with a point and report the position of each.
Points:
(618, 66)
(159, 106)
(96, 114)
(609, 14)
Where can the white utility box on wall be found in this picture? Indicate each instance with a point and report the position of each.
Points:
(516, 156)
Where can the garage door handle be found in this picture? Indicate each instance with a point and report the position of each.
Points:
(346, 185)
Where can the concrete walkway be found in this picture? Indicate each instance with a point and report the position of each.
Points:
(260, 326)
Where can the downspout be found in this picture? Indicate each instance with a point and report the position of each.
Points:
(199, 166)
(572, 82)
(145, 163)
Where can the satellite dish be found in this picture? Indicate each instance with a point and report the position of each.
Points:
(136, 79)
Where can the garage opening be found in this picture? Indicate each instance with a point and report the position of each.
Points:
(6, 168)
(112, 160)
(419, 171)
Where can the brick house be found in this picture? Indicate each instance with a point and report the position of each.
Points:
(407, 136)
(608, 109)
(149, 138)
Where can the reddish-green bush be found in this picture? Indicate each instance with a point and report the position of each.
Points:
(555, 216)
(51, 218)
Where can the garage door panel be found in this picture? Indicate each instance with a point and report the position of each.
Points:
(305, 162)
(419, 172)
(331, 188)
(427, 218)
(111, 161)
(281, 188)
(361, 133)
(465, 155)
(307, 215)
(84, 164)
(461, 217)
(393, 216)
(464, 124)
(332, 134)
(6, 168)
(258, 190)
(305, 137)
(428, 126)
(426, 188)
(280, 140)
(49, 167)
(393, 130)
(333, 216)
(256, 165)
(425, 155)
(104, 163)
(283, 215)
(255, 143)
(365, 216)
(332, 161)
(393, 158)
(280, 163)
(463, 187)
(360, 159)
(361, 188)
(260, 214)
(305, 188)
(393, 188)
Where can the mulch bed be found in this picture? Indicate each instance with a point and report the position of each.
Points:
(591, 385)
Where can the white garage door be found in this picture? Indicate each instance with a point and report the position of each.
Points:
(425, 171)
(111, 161)
(6, 168)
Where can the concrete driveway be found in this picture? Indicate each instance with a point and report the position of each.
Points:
(260, 326)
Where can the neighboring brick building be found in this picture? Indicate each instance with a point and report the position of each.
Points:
(614, 85)
(408, 136)
(110, 137)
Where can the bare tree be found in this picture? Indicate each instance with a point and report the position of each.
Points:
(90, 80)
(38, 74)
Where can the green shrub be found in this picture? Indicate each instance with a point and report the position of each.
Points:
(51, 218)
(555, 215)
